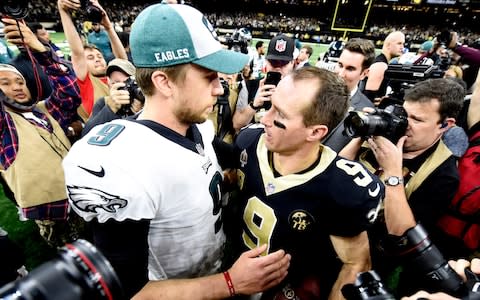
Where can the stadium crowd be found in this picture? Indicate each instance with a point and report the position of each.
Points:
(203, 170)
(317, 30)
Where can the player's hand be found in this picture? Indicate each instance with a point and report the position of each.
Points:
(253, 273)
(117, 97)
(19, 34)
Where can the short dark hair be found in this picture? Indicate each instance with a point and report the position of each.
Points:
(331, 100)
(309, 50)
(91, 47)
(35, 26)
(259, 44)
(449, 94)
(364, 47)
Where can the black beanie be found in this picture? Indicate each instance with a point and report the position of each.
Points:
(23, 64)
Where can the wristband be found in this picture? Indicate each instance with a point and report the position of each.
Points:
(255, 108)
(231, 289)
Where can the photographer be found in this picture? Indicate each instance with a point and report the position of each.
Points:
(280, 58)
(121, 102)
(234, 90)
(88, 61)
(34, 125)
(419, 172)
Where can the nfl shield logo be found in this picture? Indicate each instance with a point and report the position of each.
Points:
(281, 45)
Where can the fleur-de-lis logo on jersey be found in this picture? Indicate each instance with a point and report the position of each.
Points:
(300, 220)
(243, 158)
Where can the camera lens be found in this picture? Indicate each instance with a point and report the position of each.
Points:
(390, 122)
(14, 9)
(359, 124)
(80, 273)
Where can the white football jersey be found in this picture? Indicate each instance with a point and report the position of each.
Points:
(126, 170)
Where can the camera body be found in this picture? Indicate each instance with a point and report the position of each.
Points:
(237, 45)
(403, 76)
(368, 285)
(417, 252)
(444, 38)
(16, 9)
(80, 272)
(91, 12)
(135, 93)
(239, 40)
(390, 122)
(223, 99)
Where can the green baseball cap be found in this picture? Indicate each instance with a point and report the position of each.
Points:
(166, 35)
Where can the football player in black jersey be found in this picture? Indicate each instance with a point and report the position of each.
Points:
(298, 195)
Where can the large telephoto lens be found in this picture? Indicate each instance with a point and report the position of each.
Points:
(80, 272)
(360, 124)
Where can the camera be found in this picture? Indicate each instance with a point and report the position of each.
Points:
(91, 12)
(80, 272)
(223, 99)
(16, 9)
(444, 38)
(418, 253)
(239, 40)
(368, 285)
(224, 112)
(390, 122)
(402, 77)
(135, 93)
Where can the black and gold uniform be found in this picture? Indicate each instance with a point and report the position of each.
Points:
(299, 212)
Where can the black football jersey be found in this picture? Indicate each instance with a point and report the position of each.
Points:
(299, 212)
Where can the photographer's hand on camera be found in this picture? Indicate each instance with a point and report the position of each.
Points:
(459, 266)
(68, 5)
(398, 215)
(18, 33)
(388, 155)
(105, 22)
(118, 97)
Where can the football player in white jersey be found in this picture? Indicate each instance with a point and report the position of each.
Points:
(150, 188)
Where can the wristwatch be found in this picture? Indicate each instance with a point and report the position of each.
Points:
(393, 180)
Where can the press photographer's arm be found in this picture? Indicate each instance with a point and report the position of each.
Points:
(17, 33)
(470, 56)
